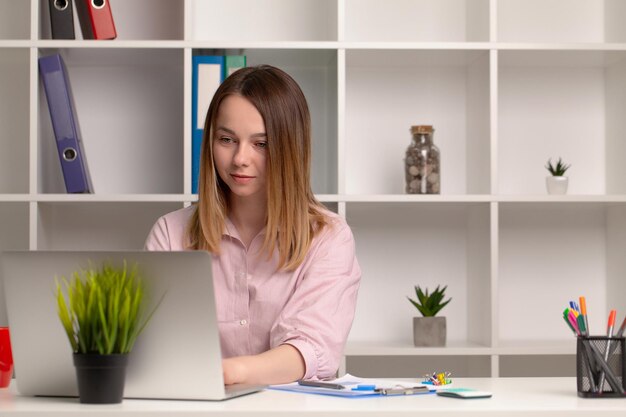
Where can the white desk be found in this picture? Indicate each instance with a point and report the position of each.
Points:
(553, 397)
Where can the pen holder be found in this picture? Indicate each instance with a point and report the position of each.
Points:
(600, 367)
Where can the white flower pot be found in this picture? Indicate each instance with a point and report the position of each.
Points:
(556, 185)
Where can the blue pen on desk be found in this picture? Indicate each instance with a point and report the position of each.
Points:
(364, 388)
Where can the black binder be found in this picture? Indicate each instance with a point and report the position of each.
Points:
(61, 19)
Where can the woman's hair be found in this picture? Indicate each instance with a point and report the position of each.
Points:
(294, 216)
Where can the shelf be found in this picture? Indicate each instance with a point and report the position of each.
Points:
(446, 89)
(270, 20)
(559, 252)
(14, 19)
(545, 347)
(388, 348)
(561, 21)
(419, 241)
(142, 153)
(105, 225)
(160, 20)
(561, 104)
(14, 127)
(422, 20)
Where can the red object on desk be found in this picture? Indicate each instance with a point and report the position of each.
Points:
(6, 358)
(96, 19)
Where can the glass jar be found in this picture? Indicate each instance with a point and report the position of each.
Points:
(422, 163)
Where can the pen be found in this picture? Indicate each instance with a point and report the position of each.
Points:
(609, 332)
(364, 388)
(572, 320)
(581, 325)
(583, 311)
(320, 384)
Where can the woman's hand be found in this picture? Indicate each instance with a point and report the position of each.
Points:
(235, 371)
(280, 365)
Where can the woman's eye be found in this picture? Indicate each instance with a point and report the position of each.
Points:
(262, 145)
(226, 139)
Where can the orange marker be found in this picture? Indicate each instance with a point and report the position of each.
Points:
(611, 324)
(583, 311)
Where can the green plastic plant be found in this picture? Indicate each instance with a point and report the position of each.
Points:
(429, 304)
(557, 170)
(101, 311)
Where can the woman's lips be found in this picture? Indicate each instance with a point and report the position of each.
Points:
(241, 179)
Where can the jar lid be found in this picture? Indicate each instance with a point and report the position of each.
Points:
(421, 129)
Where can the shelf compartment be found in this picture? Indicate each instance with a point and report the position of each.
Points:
(383, 348)
(567, 21)
(14, 19)
(134, 20)
(129, 105)
(97, 226)
(416, 366)
(388, 91)
(400, 245)
(559, 252)
(316, 73)
(266, 20)
(565, 104)
(14, 226)
(14, 120)
(417, 20)
(537, 365)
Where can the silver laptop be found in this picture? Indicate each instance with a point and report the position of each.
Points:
(177, 356)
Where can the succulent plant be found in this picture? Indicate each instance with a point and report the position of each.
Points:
(429, 304)
(557, 170)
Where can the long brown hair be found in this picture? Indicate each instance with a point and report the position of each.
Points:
(294, 216)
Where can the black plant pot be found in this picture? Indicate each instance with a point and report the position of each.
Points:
(100, 377)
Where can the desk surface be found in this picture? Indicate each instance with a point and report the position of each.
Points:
(554, 397)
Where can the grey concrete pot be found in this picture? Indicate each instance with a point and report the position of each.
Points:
(429, 331)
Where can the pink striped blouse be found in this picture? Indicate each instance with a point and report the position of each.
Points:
(311, 308)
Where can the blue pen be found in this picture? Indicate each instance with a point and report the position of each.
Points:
(572, 305)
(364, 388)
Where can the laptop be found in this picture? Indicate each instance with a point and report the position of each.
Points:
(177, 356)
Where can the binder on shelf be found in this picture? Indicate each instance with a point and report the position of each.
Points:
(96, 19)
(232, 63)
(207, 75)
(65, 124)
(61, 19)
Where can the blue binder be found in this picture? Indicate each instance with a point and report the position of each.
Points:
(207, 75)
(65, 124)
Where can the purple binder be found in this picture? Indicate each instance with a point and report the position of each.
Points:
(65, 124)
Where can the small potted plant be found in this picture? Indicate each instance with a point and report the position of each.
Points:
(102, 314)
(557, 181)
(429, 330)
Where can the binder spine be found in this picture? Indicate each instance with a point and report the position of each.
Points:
(61, 19)
(65, 124)
(207, 75)
(96, 19)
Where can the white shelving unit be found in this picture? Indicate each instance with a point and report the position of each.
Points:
(507, 84)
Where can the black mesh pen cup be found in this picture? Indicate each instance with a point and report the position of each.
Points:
(600, 367)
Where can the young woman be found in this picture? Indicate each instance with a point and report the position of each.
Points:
(285, 272)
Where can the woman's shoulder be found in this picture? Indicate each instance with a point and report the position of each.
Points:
(334, 225)
(179, 217)
(168, 232)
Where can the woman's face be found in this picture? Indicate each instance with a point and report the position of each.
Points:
(240, 147)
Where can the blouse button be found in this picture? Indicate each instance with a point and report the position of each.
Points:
(243, 322)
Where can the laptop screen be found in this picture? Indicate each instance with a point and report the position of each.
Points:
(178, 354)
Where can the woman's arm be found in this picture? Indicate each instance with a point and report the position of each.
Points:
(280, 365)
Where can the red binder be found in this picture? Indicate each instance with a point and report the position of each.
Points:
(96, 20)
